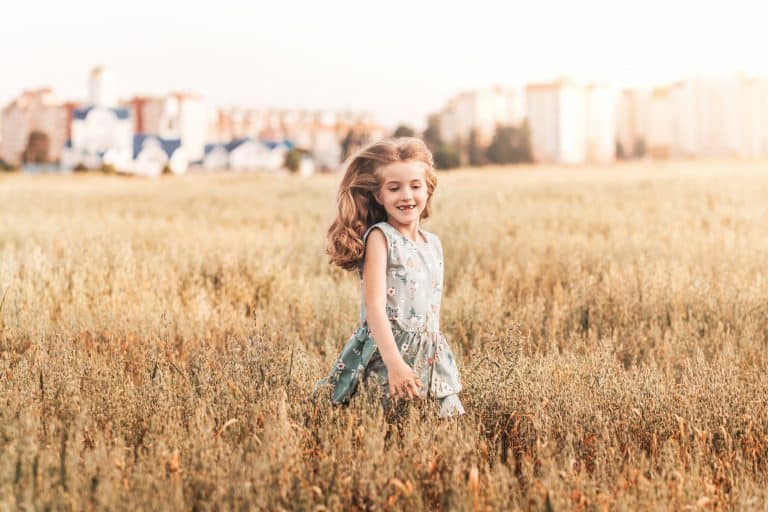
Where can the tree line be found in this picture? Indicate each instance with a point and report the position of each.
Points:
(509, 145)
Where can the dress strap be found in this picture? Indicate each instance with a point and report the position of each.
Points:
(383, 227)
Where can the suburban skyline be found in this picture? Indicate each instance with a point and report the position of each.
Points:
(400, 62)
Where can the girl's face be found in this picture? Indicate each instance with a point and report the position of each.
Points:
(403, 191)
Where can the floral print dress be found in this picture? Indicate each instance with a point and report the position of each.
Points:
(414, 290)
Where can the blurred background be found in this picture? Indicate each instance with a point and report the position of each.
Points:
(183, 87)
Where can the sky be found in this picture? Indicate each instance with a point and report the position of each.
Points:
(399, 59)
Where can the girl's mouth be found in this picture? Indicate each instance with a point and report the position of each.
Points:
(405, 208)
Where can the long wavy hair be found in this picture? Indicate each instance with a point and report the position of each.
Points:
(358, 208)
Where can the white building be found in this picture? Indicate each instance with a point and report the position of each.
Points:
(274, 159)
(326, 150)
(100, 128)
(185, 118)
(96, 131)
(571, 123)
(661, 141)
(102, 87)
(306, 166)
(180, 116)
(152, 154)
(247, 154)
(556, 115)
(702, 116)
(632, 122)
(216, 157)
(601, 124)
(36, 110)
(482, 111)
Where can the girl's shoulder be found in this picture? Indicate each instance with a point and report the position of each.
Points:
(387, 238)
(383, 226)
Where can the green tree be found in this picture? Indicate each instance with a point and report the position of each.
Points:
(36, 151)
(446, 157)
(504, 146)
(354, 140)
(404, 131)
(639, 149)
(110, 169)
(510, 145)
(432, 136)
(524, 142)
(5, 166)
(620, 155)
(476, 155)
(293, 159)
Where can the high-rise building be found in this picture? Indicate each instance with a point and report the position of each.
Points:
(34, 111)
(481, 110)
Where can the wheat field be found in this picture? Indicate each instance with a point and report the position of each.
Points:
(159, 341)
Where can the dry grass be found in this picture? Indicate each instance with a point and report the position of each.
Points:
(158, 341)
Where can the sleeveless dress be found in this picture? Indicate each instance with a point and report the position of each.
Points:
(414, 290)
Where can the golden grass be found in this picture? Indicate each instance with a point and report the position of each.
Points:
(158, 341)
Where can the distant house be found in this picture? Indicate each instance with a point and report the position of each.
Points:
(275, 159)
(216, 157)
(306, 166)
(33, 111)
(326, 150)
(118, 159)
(173, 116)
(152, 154)
(247, 154)
(97, 132)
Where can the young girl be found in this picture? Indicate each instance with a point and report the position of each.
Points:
(385, 193)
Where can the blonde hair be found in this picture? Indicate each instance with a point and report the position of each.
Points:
(357, 205)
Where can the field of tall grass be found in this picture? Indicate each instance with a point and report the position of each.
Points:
(159, 341)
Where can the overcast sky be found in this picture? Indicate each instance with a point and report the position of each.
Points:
(399, 59)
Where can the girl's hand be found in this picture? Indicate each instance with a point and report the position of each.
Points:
(403, 381)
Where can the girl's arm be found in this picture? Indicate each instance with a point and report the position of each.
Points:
(402, 379)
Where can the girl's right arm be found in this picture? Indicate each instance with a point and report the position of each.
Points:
(402, 379)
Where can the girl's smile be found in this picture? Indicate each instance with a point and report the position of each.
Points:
(403, 193)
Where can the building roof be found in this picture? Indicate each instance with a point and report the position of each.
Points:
(120, 112)
(232, 145)
(98, 70)
(169, 145)
(272, 144)
(236, 143)
(556, 84)
(210, 147)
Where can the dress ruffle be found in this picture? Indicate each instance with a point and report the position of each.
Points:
(414, 279)
(427, 352)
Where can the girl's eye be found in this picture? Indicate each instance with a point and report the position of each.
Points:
(393, 190)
